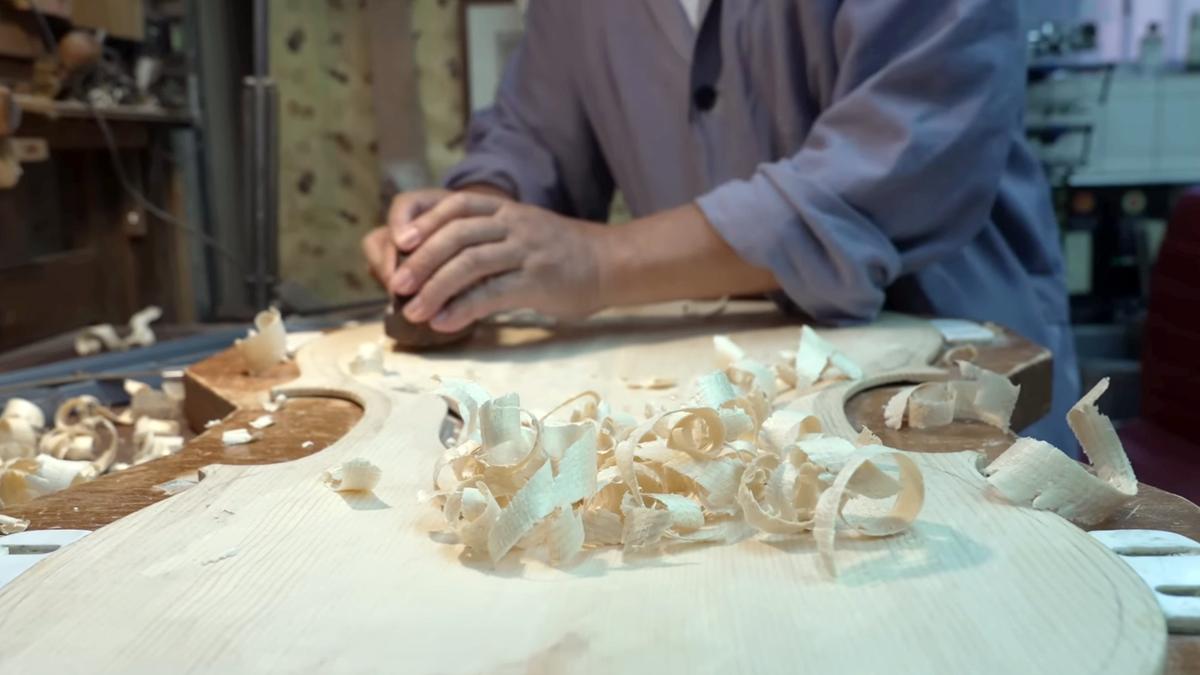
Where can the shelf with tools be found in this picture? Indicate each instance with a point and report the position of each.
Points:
(37, 105)
(75, 125)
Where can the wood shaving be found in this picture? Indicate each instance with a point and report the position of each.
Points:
(17, 438)
(148, 426)
(814, 354)
(172, 385)
(265, 344)
(982, 395)
(11, 525)
(146, 401)
(866, 437)
(727, 465)
(26, 479)
(652, 383)
(95, 339)
(959, 353)
(236, 437)
(262, 422)
(270, 404)
(728, 352)
(91, 437)
(986, 396)
(1035, 473)
(894, 409)
(368, 360)
(353, 475)
(25, 410)
(931, 405)
(705, 309)
(873, 485)
(140, 333)
(84, 436)
(153, 447)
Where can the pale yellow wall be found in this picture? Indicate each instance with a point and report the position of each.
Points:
(439, 80)
(328, 173)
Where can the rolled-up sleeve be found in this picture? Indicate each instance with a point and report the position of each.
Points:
(535, 142)
(902, 166)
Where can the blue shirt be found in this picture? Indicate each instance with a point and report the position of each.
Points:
(870, 154)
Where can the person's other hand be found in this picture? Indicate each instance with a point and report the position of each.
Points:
(379, 245)
(472, 255)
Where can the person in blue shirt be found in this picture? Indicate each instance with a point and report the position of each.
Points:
(845, 157)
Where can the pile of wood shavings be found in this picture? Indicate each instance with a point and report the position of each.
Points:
(1030, 472)
(730, 464)
(83, 442)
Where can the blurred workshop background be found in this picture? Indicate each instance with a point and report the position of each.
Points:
(210, 157)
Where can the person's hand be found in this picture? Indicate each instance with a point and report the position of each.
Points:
(379, 245)
(472, 255)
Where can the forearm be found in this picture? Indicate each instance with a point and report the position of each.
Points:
(673, 255)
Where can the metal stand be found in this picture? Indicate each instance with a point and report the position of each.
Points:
(260, 167)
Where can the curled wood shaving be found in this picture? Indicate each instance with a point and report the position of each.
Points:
(17, 438)
(97, 338)
(728, 351)
(866, 437)
(94, 339)
(861, 480)
(84, 436)
(270, 404)
(265, 344)
(814, 354)
(353, 475)
(726, 465)
(146, 401)
(953, 355)
(140, 333)
(29, 478)
(464, 398)
(1035, 473)
(153, 446)
(932, 404)
(894, 409)
(148, 426)
(27, 411)
(982, 395)
(987, 396)
(368, 360)
(11, 525)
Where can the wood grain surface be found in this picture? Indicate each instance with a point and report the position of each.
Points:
(263, 568)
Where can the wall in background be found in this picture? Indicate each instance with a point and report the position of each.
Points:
(329, 180)
(333, 175)
(436, 43)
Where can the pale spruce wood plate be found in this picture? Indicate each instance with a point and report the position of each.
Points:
(263, 569)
